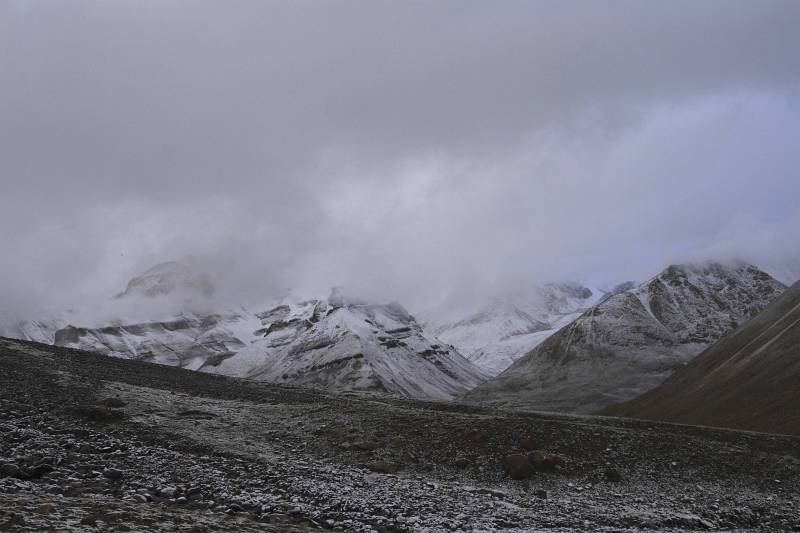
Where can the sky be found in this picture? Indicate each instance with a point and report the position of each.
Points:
(410, 150)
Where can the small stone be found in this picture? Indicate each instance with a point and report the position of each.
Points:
(113, 402)
(613, 475)
(234, 508)
(11, 470)
(167, 492)
(181, 500)
(46, 508)
(543, 462)
(462, 462)
(140, 498)
(540, 493)
(113, 474)
(477, 437)
(102, 414)
(396, 442)
(278, 518)
(40, 470)
(364, 446)
(384, 467)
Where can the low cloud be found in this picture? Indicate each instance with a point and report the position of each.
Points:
(409, 151)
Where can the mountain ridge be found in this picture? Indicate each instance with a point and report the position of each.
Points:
(747, 380)
(632, 340)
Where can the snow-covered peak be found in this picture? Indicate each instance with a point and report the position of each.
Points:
(171, 277)
(700, 302)
(340, 343)
(633, 339)
(497, 334)
(562, 298)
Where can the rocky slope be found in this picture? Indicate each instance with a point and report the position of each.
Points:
(94, 444)
(747, 380)
(503, 331)
(632, 340)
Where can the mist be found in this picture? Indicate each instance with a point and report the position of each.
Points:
(411, 151)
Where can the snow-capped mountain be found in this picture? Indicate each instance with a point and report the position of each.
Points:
(502, 332)
(340, 343)
(747, 380)
(167, 316)
(633, 339)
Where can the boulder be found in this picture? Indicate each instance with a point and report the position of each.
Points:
(517, 466)
(542, 462)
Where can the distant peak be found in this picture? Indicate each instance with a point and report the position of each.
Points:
(341, 297)
(170, 277)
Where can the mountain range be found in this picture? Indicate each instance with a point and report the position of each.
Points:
(337, 343)
(633, 339)
(559, 346)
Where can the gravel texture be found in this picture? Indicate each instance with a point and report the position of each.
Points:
(94, 443)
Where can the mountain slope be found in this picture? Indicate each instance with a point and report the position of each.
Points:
(500, 333)
(193, 341)
(39, 330)
(632, 340)
(345, 344)
(748, 380)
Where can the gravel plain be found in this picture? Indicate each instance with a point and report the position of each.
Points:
(95, 443)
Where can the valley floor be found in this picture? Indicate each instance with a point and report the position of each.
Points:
(94, 443)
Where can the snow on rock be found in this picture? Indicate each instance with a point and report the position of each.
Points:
(188, 340)
(340, 343)
(633, 339)
(39, 330)
(502, 332)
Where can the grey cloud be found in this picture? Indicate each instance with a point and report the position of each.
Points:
(405, 148)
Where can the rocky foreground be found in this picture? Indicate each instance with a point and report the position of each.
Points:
(95, 443)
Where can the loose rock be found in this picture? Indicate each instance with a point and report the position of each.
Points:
(384, 467)
(113, 474)
(517, 466)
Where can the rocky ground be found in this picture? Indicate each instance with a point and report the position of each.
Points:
(94, 443)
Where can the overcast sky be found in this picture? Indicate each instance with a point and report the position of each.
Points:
(407, 149)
